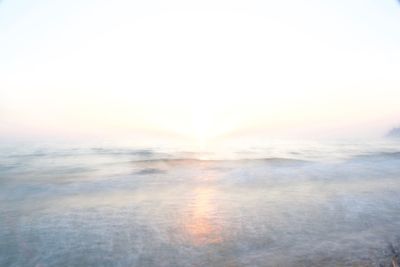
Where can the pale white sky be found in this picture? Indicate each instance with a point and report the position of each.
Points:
(199, 69)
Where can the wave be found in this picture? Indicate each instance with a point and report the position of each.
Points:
(274, 160)
(150, 171)
(136, 152)
(378, 156)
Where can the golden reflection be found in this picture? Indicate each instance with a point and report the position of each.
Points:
(201, 225)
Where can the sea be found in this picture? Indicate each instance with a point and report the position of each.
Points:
(281, 203)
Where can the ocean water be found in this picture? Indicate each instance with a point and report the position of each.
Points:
(281, 204)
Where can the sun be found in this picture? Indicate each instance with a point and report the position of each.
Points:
(209, 125)
(202, 128)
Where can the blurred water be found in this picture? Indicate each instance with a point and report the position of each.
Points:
(303, 204)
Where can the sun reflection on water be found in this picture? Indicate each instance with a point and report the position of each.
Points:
(201, 225)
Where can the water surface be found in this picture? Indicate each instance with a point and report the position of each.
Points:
(297, 205)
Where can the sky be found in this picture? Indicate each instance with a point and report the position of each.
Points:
(199, 69)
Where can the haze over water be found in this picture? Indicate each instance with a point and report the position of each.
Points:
(196, 99)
